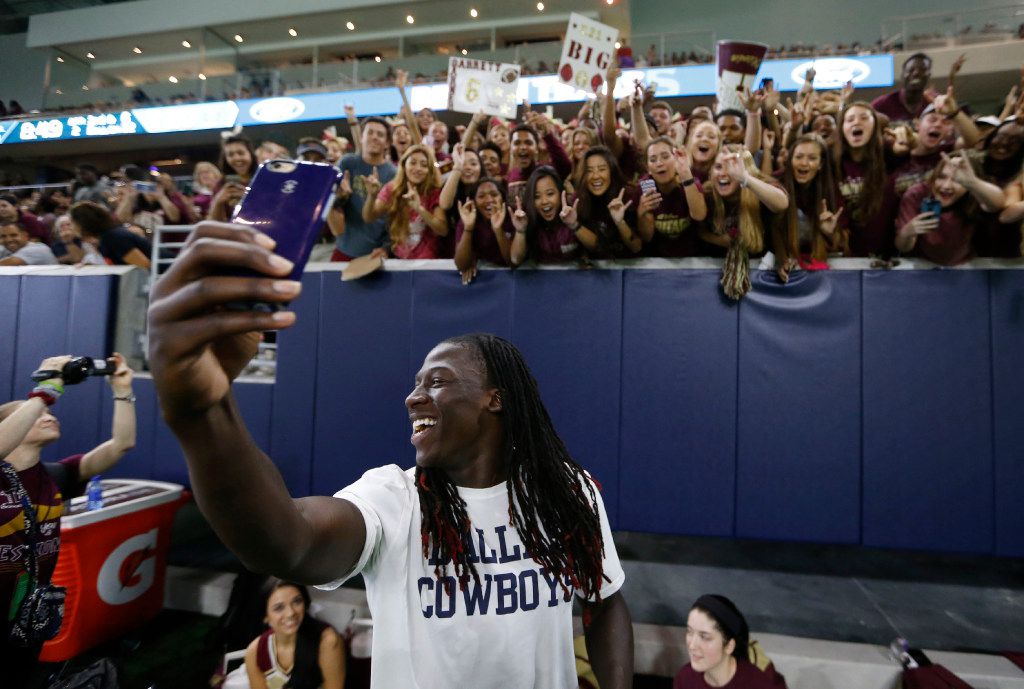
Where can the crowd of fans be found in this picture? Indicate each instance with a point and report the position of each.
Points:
(796, 183)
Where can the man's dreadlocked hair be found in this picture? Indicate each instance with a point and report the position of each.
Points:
(552, 504)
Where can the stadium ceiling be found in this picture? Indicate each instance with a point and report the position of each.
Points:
(14, 14)
(214, 50)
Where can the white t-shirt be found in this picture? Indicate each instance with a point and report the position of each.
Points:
(33, 254)
(513, 631)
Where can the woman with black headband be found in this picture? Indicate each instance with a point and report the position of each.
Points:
(717, 641)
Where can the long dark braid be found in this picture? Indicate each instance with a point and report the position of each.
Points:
(552, 503)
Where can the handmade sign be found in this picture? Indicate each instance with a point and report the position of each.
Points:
(737, 63)
(588, 51)
(481, 86)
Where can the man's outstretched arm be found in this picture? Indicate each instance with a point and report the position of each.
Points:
(196, 349)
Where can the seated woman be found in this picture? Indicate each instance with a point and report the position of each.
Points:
(717, 641)
(607, 218)
(542, 223)
(810, 229)
(297, 651)
(484, 230)
(742, 203)
(410, 200)
(946, 237)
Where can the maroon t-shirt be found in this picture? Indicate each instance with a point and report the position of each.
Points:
(485, 244)
(949, 243)
(553, 242)
(675, 233)
(610, 244)
(869, 235)
(45, 496)
(747, 676)
(893, 106)
(915, 168)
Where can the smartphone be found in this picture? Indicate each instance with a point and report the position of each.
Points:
(932, 205)
(233, 179)
(289, 201)
(765, 82)
(647, 185)
(145, 187)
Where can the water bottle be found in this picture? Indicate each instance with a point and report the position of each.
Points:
(94, 494)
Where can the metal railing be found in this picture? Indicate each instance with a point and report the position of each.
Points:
(168, 241)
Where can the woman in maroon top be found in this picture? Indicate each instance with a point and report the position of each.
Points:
(717, 641)
(810, 228)
(868, 192)
(742, 204)
(541, 230)
(583, 140)
(946, 239)
(484, 230)
(703, 142)
(606, 214)
(668, 213)
(1004, 155)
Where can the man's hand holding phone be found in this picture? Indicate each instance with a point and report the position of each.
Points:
(196, 345)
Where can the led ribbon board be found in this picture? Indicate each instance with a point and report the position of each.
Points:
(867, 71)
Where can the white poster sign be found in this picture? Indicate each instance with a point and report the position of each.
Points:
(481, 86)
(588, 51)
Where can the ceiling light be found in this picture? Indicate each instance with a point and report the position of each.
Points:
(350, 26)
(617, 45)
(202, 77)
(540, 6)
(473, 12)
(293, 32)
(239, 38)
(60, 59)
(186, 44)
(90, 56)
(376, 58)
(610, 2)
(410, 19)
(137, 50)
(465, 52)
(172, 79)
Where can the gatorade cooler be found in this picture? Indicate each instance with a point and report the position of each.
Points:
(113, 562)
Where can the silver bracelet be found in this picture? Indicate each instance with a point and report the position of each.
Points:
(130, 397)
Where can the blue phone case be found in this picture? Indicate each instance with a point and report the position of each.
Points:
(931, 205)
(289, 201)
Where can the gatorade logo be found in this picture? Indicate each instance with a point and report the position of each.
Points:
(128, 572)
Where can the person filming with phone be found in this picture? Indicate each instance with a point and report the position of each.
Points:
(32, 494)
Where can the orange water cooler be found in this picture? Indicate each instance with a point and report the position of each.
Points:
(113, 562)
